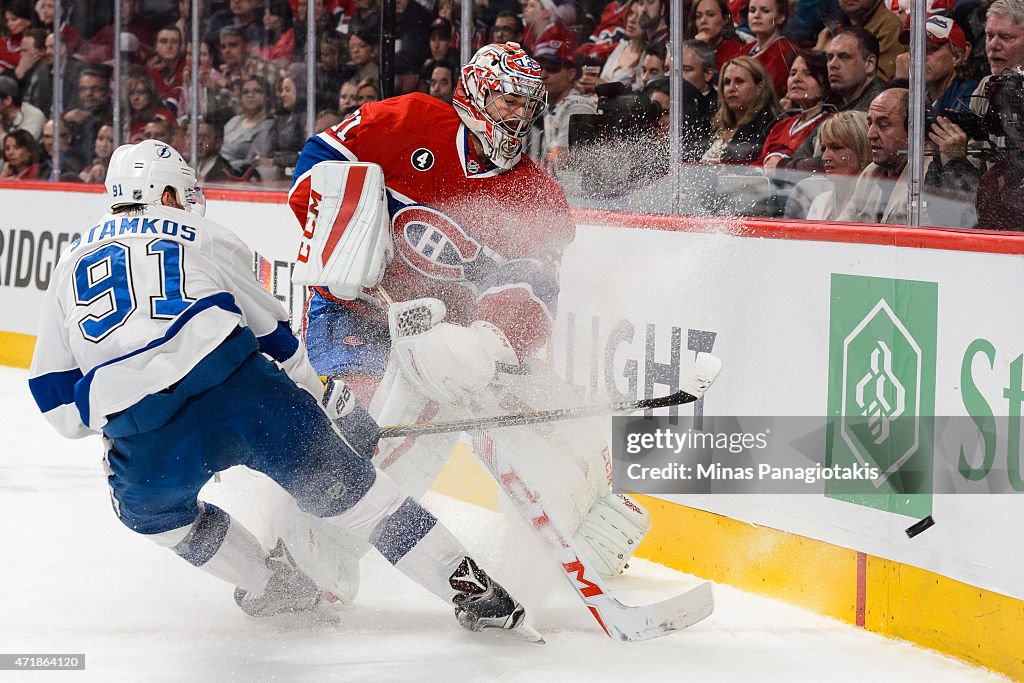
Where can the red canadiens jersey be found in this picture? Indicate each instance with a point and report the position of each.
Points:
(486, 243)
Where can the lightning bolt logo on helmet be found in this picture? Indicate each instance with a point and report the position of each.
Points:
(499, 96)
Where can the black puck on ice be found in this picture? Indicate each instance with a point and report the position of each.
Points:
(917, 527)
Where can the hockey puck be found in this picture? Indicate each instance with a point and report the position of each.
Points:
(917, 527)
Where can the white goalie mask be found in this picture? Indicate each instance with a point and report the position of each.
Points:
(138, 174)
(499, 96)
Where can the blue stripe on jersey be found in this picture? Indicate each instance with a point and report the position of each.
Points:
(280, 344)
(221, 300)
(315, 151)
(206, 537)
(400, 531)
(54, 389)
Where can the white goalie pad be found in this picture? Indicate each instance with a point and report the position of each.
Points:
(346, 243)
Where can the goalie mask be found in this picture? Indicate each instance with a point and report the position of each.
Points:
(138, 174)
(499, 96)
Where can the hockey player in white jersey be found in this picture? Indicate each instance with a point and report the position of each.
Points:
(156, 334)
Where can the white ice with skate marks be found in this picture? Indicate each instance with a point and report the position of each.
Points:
(74, 580)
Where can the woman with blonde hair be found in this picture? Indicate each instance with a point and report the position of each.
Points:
(845, 153)
(747, 108)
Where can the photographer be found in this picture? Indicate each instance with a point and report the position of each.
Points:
(999, 191)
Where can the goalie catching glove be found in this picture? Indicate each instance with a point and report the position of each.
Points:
(447, 363)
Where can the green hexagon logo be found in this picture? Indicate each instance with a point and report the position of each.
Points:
(882, 389)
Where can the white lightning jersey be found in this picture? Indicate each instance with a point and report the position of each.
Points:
(136, 303)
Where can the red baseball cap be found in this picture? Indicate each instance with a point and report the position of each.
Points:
(944, 30)
(556, 52)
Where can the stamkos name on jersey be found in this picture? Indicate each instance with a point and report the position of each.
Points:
(136, 225)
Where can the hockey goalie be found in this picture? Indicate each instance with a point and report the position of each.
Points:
(430, 247)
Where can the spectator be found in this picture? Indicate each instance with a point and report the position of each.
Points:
(440, 43)
(247, 135)
(366, 18)
(610, 30)
(159, 129)
(246, 20)
(19, 157)
(658, 92)
(71, 160)
(766, 19)
(442, 82)
(948, 49)
(852, 61)
(747, 107)
(875, 18)
(212, 96)
(279, 30)
(653, 65)
(96, 172)
(845, 153)
(167, 67)
(326, 118)
(713, 25)
(329, 72)
(348, 98)
(412, 44)
(289, 133)
(541, 26)
(508, 28)
(367, 90)
(17, 18)
(32, 71)
(212, 167)
(235, 58)
(15, 113)
(93, 110)
(1004, 45)
(70, 71)
(362, 56)
(807, 92)
(46, 12)
(142, 104)
(654, 21)
(623, 64)
(558, 71)
(699, 71)
(137, 36)
(880, 195)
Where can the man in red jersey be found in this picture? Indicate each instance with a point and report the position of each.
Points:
(477, 232)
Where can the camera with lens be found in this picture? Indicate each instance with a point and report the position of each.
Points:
(974, 126)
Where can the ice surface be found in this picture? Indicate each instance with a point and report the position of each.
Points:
(74, 580)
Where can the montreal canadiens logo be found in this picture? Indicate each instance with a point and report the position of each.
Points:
(432, 243)
(422, 159)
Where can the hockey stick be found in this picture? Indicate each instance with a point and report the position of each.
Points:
(704, 371)
(534, 417)
(617, 620)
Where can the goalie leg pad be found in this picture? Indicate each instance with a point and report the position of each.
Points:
(612, 531)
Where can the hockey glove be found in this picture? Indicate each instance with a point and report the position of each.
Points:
(446, 363)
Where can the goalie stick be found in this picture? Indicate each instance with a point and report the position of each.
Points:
(619, 621)
(696, 382)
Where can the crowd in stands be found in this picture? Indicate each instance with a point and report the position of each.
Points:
(792, 89)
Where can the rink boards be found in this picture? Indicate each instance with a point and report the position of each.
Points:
(785, 305)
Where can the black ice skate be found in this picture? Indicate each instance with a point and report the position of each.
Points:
(288, 590)
(482, 603)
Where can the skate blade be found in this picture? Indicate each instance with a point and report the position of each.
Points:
(528, 633)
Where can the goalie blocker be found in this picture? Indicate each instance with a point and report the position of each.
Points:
(346, 241)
